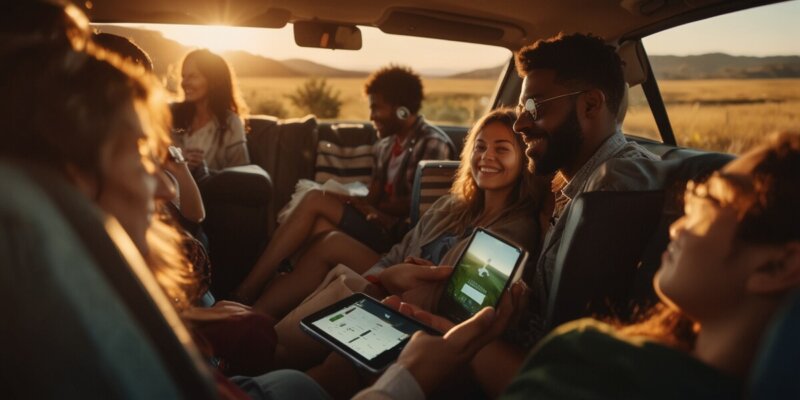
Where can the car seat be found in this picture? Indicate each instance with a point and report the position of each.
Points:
(432, 180)
(237, 202)
(613, 240)
(775, 374)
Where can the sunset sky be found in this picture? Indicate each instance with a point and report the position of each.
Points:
(771, 30)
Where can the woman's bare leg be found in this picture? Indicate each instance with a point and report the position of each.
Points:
(316, 213)
(286, 291)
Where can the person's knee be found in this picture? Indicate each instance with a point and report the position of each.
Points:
(317, 202)
(309, 200)
(331, 238)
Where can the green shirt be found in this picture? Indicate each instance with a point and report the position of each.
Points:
(585, 359)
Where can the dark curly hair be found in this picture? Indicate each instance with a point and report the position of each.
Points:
(398, 85)
(773, 214)
(580, 61)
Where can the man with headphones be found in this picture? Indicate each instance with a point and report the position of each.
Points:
(381, 219)
(404, 139)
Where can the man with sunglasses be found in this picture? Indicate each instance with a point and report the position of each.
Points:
(568, 113)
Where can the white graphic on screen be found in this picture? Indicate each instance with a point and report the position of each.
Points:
(482, 272)
(362, 331)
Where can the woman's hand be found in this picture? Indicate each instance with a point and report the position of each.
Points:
(420, 285)
(417, 260)
(219, 311)
(187, 195)
(400, 278)
(194, 157)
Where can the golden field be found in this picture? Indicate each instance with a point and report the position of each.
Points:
(722, 115)
(469, 95)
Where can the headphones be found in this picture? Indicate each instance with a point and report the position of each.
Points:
(402, 113)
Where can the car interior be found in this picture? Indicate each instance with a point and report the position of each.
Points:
(242, 203)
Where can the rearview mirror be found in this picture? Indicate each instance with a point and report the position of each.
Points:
(327, 35)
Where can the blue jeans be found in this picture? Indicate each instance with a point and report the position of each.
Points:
(280, 385)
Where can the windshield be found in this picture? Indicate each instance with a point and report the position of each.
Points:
(274, 73)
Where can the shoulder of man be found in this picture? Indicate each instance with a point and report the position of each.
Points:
(632, 168)
(427, 131)
(381, 145)
(432, 138)
(520, 227)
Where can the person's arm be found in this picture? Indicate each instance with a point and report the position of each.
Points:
(401, 278)
(432, 359)
(395, 206)
(374, 191)
(430, 149)
(397, 253)
(189, 201)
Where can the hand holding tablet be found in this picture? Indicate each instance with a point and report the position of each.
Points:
(481, 275)
(373, 335)
(364, 330)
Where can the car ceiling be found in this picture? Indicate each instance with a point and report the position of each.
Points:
(506, 23)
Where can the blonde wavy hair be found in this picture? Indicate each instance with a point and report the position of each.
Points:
(170, 264)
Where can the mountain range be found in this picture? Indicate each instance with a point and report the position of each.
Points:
(167, 53)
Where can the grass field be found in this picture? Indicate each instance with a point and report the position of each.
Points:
(722, 115)
(467, 275)
(453, 101)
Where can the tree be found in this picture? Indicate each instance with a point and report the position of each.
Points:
(317, 97)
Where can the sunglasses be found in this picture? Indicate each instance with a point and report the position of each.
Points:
(531, 105)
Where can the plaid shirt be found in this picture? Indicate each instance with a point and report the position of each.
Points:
(426, 142)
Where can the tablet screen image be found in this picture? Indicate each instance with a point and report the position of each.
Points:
(366, 328)
(481, 275)
(362, 329)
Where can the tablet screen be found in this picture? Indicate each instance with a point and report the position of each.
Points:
(481, 275)
(366, 328)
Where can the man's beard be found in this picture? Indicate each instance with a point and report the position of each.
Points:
(390, 126)
(563, 144)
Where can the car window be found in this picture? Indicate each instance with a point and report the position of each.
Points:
(279, 78)
(639, 119)
(726, 81)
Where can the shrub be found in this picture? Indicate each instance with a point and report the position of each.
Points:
(268, 106)
(317, 97)
(454, 108)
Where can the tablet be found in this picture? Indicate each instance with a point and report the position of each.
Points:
(481, 275)
(364, 330)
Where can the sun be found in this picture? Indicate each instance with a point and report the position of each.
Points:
(217, 38)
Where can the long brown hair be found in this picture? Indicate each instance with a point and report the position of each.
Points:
(527, 194)
(223, 92)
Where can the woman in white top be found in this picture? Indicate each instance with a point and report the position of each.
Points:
(208, 124)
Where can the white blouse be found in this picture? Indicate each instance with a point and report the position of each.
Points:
(230, 153)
